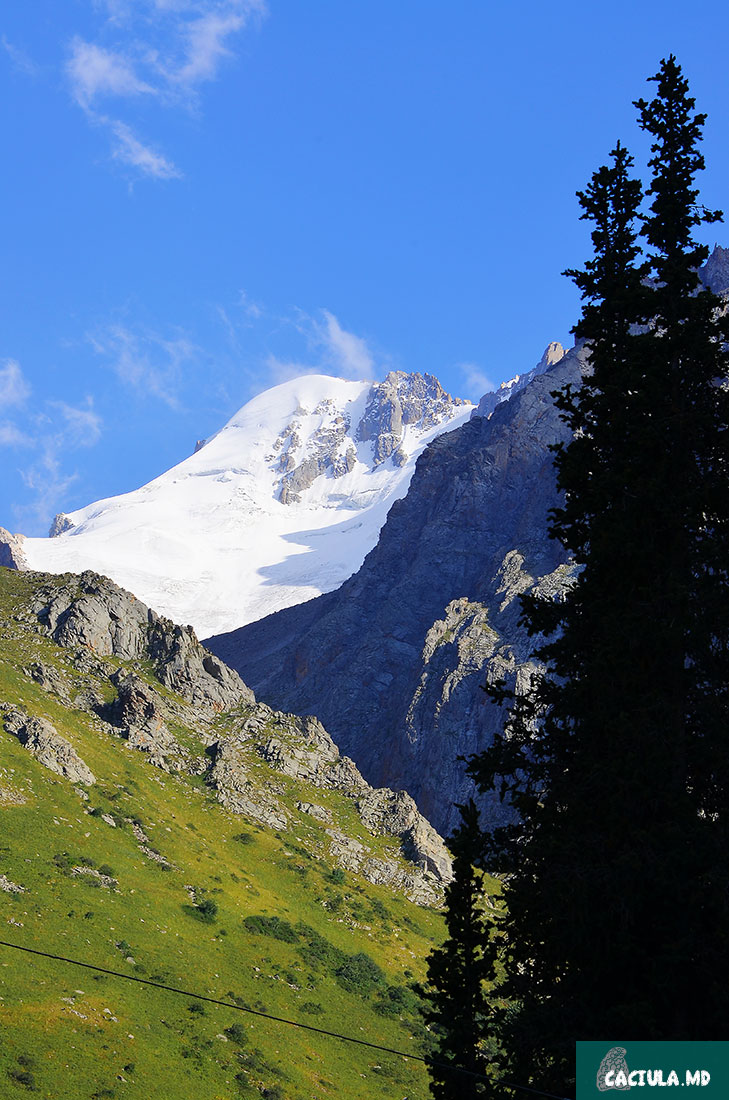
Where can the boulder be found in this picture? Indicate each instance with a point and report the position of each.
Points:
(45, 743)
(11, 551)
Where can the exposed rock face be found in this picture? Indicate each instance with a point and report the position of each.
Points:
(11, 550)
(138, 711)
(384, 811)
(301, 749)
(552, 354)
(235, 788)
(327, 452)
(184, 666)
(43, 741)
(61, 524)
(260, 762)
(400, 400)
(321, 813)
(49, 679)
(393, 662)
(715, 272)
(92, 612)
(9, 886)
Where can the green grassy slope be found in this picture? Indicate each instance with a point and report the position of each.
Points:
(340, 957)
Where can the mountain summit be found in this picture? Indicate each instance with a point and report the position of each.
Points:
(280, 505)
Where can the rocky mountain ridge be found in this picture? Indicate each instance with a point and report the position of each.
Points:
(151, 683)
(122, 847)
(393, 662)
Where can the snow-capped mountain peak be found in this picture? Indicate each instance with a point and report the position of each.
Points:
(280, 505)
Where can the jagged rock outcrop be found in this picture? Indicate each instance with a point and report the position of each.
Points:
(49, 679)
(392, 405)
(11, 550)
(393, 662)
(262, 764)
(230, 777)
(61, 523)
(394, 812)
(715, 272)
(402, 399)
(139, 713)
(301, 749)
(184, 666)
(91, 612)
(45, 743)
(552, 354)
(327, 452)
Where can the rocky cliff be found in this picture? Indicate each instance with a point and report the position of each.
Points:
(393, 662)
(150, 684)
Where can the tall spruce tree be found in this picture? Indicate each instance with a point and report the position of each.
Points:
(458, 973)
(617, 906)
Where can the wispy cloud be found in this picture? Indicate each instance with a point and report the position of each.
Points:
(12, 436)
(348, 353)
(162, 51)
(206, 43)
(332, 350)
(130, 150)
(79, 426)
(145, 360)
(251, 309)
(49, 435)
(19, 59)
(475, 382)
(14, 388)
(283, 370)
(95, 73)
(47, 485)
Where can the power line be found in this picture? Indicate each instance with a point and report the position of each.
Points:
(276, 1019)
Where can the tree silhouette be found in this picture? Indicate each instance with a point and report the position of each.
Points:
(617, 761)
(458, 973)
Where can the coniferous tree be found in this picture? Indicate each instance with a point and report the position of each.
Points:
(617, 909)
(458, 973)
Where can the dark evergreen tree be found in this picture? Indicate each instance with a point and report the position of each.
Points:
(617, 904)
(458, 973)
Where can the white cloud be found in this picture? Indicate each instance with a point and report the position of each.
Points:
(12, 436)
(21, 62)
(162, 50)
(94, 72)
(283, 370)
(475, 382)
(81, 426)
(48, 485)
(130, 150)
(348, 353)
(14, 389)
(206, 48)
(334, 350)
(58, 431)
(251, 309)
(145, 360)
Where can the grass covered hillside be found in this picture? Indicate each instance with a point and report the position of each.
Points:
(154, 820)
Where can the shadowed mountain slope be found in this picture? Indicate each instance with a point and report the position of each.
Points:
(392, 662)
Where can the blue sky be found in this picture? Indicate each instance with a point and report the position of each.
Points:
(202, 198)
